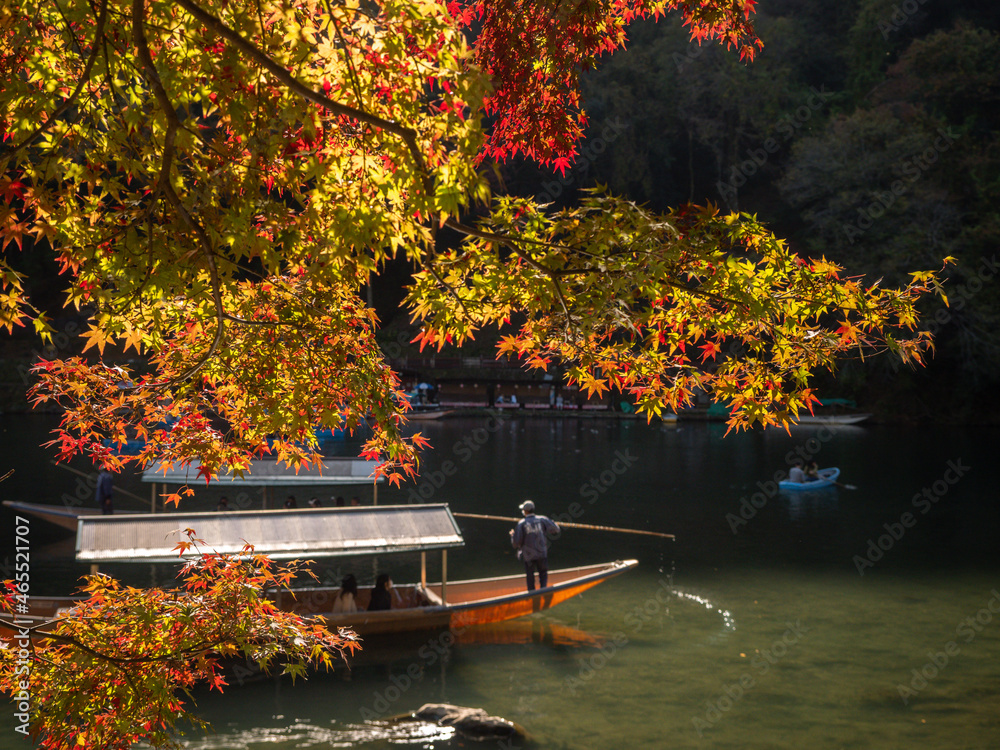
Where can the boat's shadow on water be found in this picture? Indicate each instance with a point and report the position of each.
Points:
(416, 651)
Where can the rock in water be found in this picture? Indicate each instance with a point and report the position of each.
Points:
(473, 723)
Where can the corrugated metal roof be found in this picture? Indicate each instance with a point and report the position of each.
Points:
(281, 534)
(269, 473)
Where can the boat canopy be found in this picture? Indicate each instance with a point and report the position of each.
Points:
(265, 473)
(280, 534)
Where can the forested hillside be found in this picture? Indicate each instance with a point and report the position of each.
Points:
(865, 131)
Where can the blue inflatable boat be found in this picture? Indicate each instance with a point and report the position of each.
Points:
(827, 478)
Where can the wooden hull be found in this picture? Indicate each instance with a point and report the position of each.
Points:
(58, 515)
(473, 602)
(468, 603)
(430, 414)
(831, 419)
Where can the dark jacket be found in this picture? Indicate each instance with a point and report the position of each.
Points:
(531, 536)
(381, 599)
(104, 487)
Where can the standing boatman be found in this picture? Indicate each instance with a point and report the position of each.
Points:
(531, 540)
(103, 492)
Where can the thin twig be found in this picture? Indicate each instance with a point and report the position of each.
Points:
(71, 100)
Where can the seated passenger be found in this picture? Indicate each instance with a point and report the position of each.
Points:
(423, 597)
(381, 594)
(796, 474)
(812, 472)
(344, 602)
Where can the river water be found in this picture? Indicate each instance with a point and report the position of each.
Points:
(865, 618)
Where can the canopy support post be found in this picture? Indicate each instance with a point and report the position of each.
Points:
(444, 576)
(264, 496)
(423, 570)
(152, 499)
(375, 492)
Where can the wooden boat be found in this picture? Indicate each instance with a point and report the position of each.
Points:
(472, 602)
(426, 414)
(64, 516)
(830, 419)
(827, 478)
(478, 601)
(330, 532)
(262, 473)
(266, 474)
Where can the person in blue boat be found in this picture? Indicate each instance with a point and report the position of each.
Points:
(812, 472)
(531, 540)
(797, 474)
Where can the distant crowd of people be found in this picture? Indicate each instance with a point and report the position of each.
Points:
(314, 502)
(337, 501)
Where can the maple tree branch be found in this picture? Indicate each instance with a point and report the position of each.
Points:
(707, 295)
(433, 272)
(166, 106)
(552, 277)
(511, 242)
(502, 238)
(267, 323)
(163, 183)
(355, 82)
(71, 100)
(118, 661)
(409, 135)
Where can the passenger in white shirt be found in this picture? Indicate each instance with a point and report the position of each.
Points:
(344, 602)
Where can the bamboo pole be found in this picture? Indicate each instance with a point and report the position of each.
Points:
(568, 525)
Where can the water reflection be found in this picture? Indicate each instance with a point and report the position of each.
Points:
(733, 594)
(305, 735)
(810, 504)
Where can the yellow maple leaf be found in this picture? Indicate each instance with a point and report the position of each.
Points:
(133, 337)
(96, 337)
